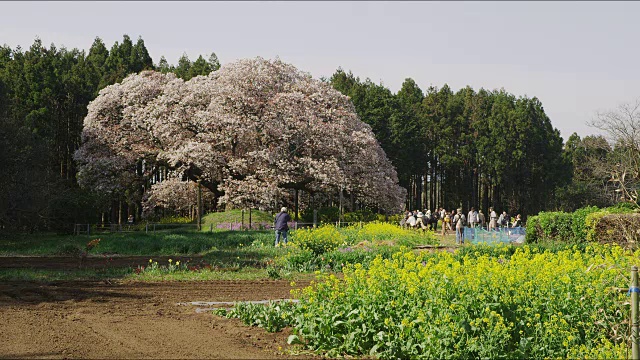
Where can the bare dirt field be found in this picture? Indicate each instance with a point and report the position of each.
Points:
(133, 320)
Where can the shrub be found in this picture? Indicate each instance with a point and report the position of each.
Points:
(361, 215)
(325, 215)
(578, 222)
(553, 225)
(533, 231)
(175, 220)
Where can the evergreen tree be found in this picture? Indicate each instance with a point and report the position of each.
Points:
(182, 70)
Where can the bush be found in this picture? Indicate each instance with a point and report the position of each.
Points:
(175, 220)
(361, 215)
(552, 226)
(325, 215)
(533, 231)
(585, 224)
(578, 222)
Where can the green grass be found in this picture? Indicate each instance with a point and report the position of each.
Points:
(235, 216)
(245, 273)
(171, 242)
(39, 244)
(45, 275)
(231, 254)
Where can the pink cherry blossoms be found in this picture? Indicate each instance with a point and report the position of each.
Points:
(253, 132)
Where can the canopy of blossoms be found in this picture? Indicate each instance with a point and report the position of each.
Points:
(251, 132)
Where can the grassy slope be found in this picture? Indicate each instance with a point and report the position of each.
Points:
(235, 216)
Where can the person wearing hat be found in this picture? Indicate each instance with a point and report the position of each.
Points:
(281, 226)
(421, 220)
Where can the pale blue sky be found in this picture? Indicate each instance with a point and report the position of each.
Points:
(576, 57)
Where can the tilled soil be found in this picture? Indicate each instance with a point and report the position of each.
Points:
(133, 320)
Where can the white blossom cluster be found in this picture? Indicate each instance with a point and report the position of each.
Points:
(251, 131)
(173, 193)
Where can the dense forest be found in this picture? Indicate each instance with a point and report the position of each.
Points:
(466, 148)
(44, 93)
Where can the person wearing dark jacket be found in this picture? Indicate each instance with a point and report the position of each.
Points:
(281, 225)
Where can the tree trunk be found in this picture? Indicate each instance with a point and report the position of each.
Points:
(295, 202)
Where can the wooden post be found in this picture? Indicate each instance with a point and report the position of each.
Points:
(249, 218)
(199, 206)
(315, 218)
(296, 205)
(634, 290)
(242, 222)
(340, 209)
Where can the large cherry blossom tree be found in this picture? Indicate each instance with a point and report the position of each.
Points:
(255, 133)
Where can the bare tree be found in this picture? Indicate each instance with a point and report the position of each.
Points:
(622, 129)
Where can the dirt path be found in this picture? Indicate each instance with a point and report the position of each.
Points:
(102, 319)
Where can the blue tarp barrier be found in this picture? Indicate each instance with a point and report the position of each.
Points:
(500, 235)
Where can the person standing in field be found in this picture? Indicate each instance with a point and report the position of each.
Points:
(503, 220)
(460, 222)
(452, 217)
(481, 219)
(493, 219)
(281, 226)
(446, 222)
(473, 218)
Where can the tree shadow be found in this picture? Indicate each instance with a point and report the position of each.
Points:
(14, 293)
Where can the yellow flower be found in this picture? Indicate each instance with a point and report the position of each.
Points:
(170, 261)
(150, 261)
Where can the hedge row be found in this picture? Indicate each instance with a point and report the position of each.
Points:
(619, 224)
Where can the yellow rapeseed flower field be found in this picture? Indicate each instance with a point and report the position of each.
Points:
(522, 303)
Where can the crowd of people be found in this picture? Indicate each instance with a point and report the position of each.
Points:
(458, 221)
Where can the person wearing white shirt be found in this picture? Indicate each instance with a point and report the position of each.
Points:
(493, 219)
(473, 218)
